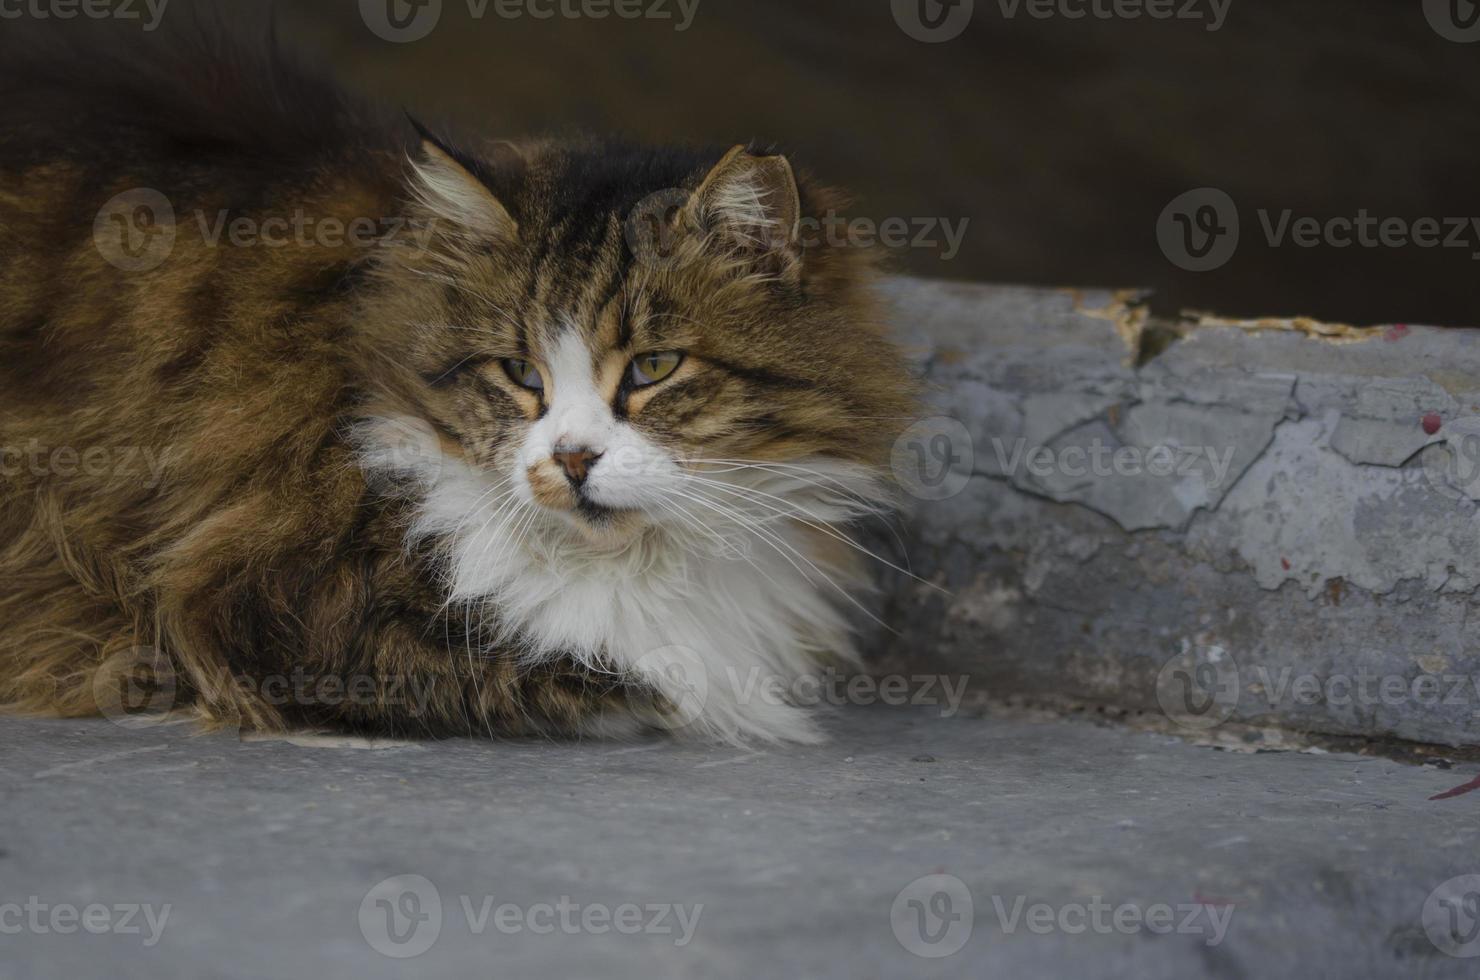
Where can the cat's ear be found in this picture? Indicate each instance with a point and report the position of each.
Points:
(753, 203)
(452, 192)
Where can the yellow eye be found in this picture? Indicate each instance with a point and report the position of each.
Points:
(649, 369)
(524, 374)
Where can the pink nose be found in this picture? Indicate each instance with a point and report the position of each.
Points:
(576, 463)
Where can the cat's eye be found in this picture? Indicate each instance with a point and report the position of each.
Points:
(649, 369)
(524, 374)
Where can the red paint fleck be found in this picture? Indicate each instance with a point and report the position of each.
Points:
(1396, 332)
(1432, 422)
(1450, 794)
(1285, 564)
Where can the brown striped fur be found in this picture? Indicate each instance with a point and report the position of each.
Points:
(261, 548)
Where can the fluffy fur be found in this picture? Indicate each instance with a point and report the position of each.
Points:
(352, 483)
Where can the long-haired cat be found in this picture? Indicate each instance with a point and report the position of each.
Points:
(338, 423)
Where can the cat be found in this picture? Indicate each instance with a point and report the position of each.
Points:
(331, 421)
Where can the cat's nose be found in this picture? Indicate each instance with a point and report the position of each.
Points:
(576, 462)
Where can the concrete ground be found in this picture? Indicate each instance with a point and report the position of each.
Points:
(1046, 849)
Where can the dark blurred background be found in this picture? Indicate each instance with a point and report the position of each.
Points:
(1061, 140)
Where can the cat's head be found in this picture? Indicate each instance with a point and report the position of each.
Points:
(624, 339)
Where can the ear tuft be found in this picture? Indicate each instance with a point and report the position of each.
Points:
(450, 189)
(753, 200)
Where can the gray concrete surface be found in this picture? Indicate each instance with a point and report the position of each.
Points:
(1317, 865)
(1274, 522)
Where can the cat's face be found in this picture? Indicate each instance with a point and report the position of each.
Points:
(620, 343)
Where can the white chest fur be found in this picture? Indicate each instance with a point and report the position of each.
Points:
(723, 609)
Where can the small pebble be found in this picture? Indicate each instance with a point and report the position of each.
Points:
(923, 758)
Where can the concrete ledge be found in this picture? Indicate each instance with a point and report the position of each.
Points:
(802, 861)
(1267, 522)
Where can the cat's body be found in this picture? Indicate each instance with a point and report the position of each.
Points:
(494, 467)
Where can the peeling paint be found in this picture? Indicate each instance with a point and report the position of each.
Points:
(1126, 312)
(1336, 333)
(1343, 536)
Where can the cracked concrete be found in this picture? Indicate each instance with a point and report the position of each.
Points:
(1256, 501)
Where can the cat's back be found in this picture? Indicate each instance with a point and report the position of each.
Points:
(177, 267)
(163, 198)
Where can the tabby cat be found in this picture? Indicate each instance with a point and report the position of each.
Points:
(330, 422)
